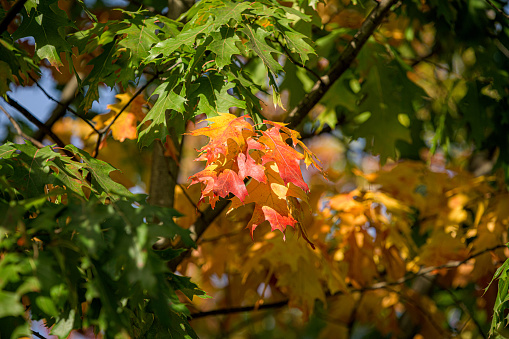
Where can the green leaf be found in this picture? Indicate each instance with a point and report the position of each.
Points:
(294, 40)
(140, 36)
(46, 23)
(102, 185)
(64, 326)
(10, 304)
(213, 96)
(224, 46)
(47, 305)
(384, 102)
(231, 11)
(259, 45)
(185, 285)
(187, 38)
(104, 71)
(167, 100)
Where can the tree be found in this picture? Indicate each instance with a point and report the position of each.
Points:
(395, 111)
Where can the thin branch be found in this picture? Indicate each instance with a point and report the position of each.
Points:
(11, 14)
(301, 65)
(427, 270)
(19, 131)
(65, 106)
(232, 310)
(377, 286)
(341, 65)
(38, 335)
(34, 120)
(465, 309)
(497, 9)
(104, 132)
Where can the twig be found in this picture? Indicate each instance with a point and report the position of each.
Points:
(11, 14)
(38, 335)
(427, 270)
(34, 120)
(66, 107)
(19, 131)
(301, 65)
(232, 310)
(377, 286)
(465, 309)
(497, 9)
(341, 65)
(103, 133)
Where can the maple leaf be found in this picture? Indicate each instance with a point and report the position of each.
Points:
(125, 125)
(270, 200)
(286, 158)
(236, 152)
(225, 126)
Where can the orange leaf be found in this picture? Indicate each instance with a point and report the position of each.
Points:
(125, 125)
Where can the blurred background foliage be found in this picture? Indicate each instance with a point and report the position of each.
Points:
(410, 225)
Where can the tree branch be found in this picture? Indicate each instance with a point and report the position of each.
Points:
(377, 286)
(19, 131)
(68, 97)
(11, 14)
(104, 132)
(497, 9)
(34, 120)
(341, 65)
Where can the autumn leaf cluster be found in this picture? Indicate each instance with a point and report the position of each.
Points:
(255, 166)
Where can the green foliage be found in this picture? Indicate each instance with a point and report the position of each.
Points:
(76, 246)
(499, 321)
(61, 250)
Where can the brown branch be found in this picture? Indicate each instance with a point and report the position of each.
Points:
(232, 310)
(497, 9)
(377, 286)
(341, 65)
(34, 120)
(104, 132)
(427, 270)
(19, 131)
(38, 335)
(11, 14)
(64, 106)
(443, 332)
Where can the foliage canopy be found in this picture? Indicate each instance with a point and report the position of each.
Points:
(370, 136)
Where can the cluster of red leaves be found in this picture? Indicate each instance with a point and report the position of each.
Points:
(255, 166)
